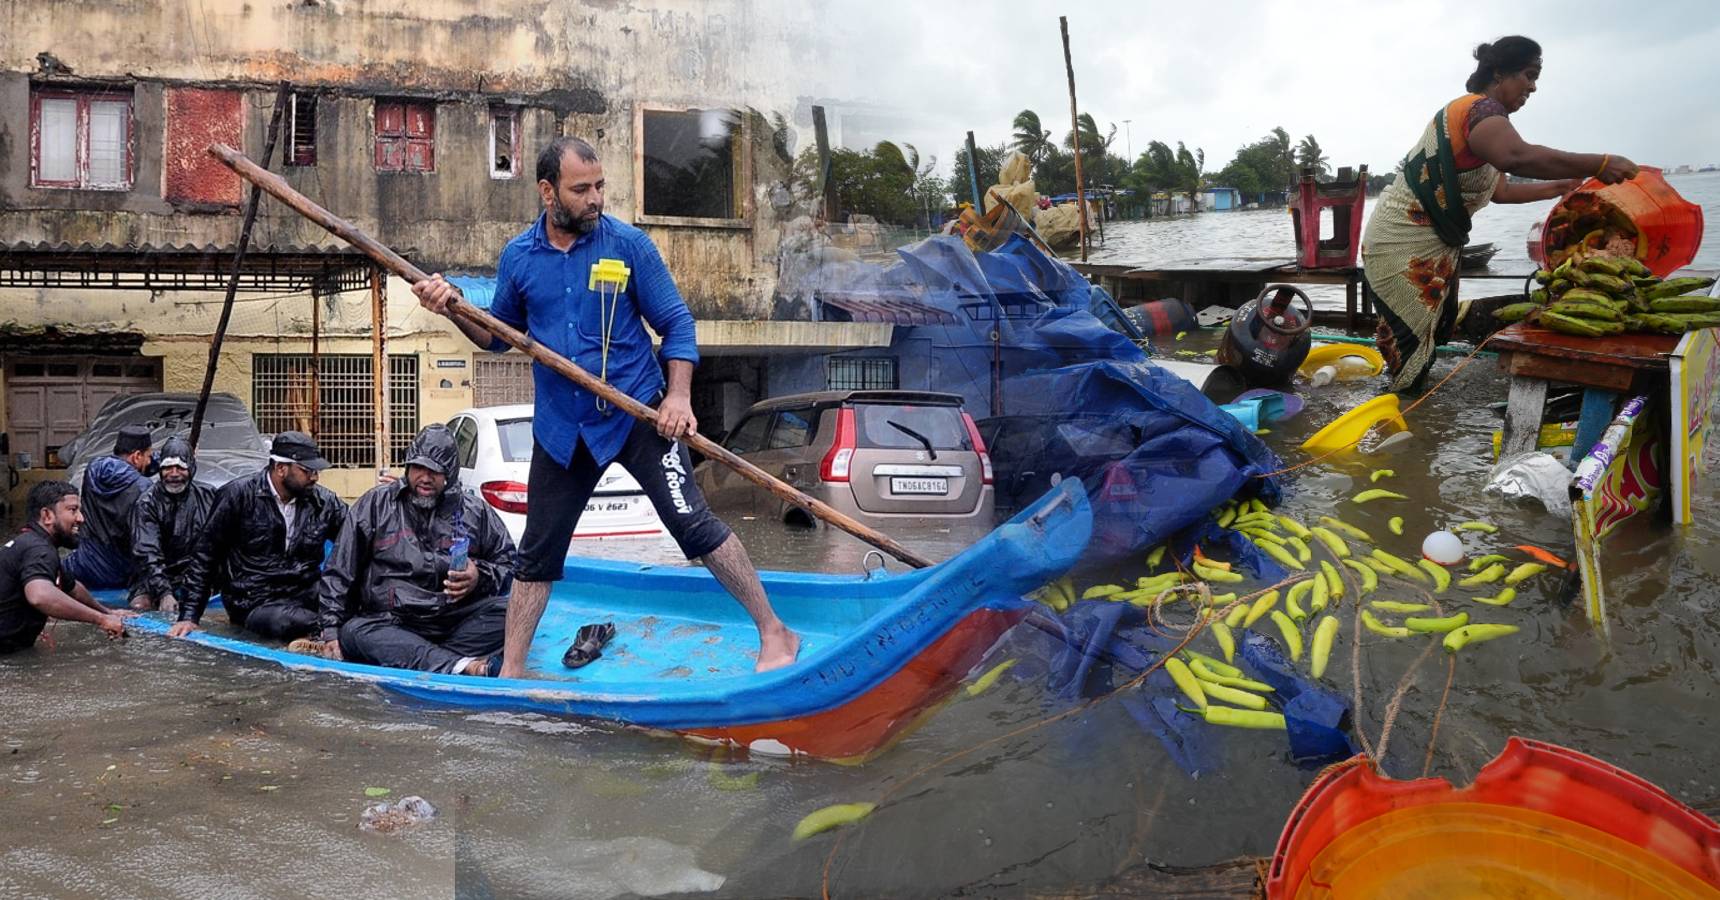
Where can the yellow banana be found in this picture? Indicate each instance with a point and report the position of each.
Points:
(1484, 527)
(1343, 527)
(1235, 617)
(1377, 627)
(1436, 626)
(1233, 696)
(1207, 573)
(1524, 572)
(1101, 590)
(1441, 578)
(1214, 663)
(1303, 554)
(1287, 629)
(1261, 607)
(1377, 494)
(1396, 525)
(830, 817)
(1370, 578)
(1503, 598)
(1185, 680)
(1485, 576)
(1292, 600)
(1476, 565)
(984, 682)
(1377, 474)
(1400, 567)
(1320, 594)
(1396, 606)
(1226, 640)
(1294, 527)
(1282, 555)
(1333, 542)
(1334, 581)
(1156, 557)
(1205, 673)
(1324, 634)
(1243, 718)
(1469, 634)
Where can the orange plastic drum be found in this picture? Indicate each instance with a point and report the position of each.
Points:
(1539, 821)
(1670, 225)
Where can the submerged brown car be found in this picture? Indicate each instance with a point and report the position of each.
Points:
(876, 455)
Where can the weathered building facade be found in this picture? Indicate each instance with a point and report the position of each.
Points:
(417, 121)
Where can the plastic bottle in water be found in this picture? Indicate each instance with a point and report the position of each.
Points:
(1346, 368)
(1324, 375)
(459, 554)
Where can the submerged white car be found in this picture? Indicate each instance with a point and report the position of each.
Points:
(495, 446)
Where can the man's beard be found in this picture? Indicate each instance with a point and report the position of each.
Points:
(564, 219)
(63, 537)
(175, 487)
(423, 502)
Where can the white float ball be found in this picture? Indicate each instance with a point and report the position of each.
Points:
(1443, 547)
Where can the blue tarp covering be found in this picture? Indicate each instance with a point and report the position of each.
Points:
(1155, 454)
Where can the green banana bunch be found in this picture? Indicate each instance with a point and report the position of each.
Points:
(1582, 327)
(1677, 287)
(1684, 304)
(1581, 310)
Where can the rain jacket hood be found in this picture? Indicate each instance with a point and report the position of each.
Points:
(434, 448)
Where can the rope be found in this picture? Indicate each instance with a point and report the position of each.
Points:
(1194, 630)
(1450, 673)
(1406, 411)
(606, 315)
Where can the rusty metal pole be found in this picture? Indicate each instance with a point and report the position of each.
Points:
(282, 98)
(316, 363)
(379, 365)
(1075, 124)
(459, 309)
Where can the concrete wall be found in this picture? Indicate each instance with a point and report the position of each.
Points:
(575, 68)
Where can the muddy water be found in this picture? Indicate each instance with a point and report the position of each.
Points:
(157, 769)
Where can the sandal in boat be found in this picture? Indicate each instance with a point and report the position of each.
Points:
(588, 644)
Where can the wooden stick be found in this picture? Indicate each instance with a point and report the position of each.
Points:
(394, 262)
(1075, 123)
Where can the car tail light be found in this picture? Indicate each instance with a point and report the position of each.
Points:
(841, 454)
(978, 447)
(507, 496)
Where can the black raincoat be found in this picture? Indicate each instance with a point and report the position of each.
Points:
(250, 553)
(392, 556)
(109, 496)
(167, 529)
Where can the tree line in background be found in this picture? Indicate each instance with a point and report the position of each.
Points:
(894, 185)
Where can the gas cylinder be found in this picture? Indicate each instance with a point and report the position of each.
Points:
(1268, 337)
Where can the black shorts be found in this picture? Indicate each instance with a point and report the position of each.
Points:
(557, 495)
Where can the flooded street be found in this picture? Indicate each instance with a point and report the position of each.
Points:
(161, 769)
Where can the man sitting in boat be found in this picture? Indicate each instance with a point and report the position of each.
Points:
(548, 283)
(420, 574)
(170, 523)
(266, 544)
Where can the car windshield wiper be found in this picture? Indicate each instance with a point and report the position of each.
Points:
(913, 434)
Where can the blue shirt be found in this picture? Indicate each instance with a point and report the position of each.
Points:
(546, 292)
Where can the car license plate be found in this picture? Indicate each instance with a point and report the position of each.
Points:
(919, 485)
(612, 504)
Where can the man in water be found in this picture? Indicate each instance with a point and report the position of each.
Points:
(265, 545)
(112, 485)
(431, 565)
(33, 586)
(543, 285)
(169, 525)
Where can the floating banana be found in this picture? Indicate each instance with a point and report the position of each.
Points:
(1261, 607)
(1226, 516)
(1233, 696)
(830, 817)
(1101, 590)
(1185, 680)
(1243, 718)
(1156, 557)
(1485, 576)
(984, 682)
(1400, 567)
(1215, 664)
(1321, 653)
(1280, 554)
(1378, 566)
(1476, 565)
(1504, 598)
(1287, 629)
(1294, 527)
(1441, 578)
(1398, 606)
(1524, 572)
(1226, 640)
(1436, 626)
(1377, 627)
(1377, 494)
(1396, 525)
(1342, 527)
(1236, 616)
(1208, 573)
(1292, 600)
(1205, 673)
(1370, 578)
(1320, 596)
(1485, 527)
(1377, 474)
(1261, 534)
(1303, 554)
(1470, 634)
(1333, 543)
(1334, 581)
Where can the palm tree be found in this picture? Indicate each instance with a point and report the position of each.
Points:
(1309, 156)
(1033, 140)
(1189, 169)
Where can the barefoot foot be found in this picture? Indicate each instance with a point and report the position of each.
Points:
(777, 647)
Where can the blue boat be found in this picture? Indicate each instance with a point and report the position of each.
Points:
(878, 651)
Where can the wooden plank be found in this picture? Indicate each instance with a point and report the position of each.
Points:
(1237, 878)
(1523, 409)
(1588, 373)
(1640, 351)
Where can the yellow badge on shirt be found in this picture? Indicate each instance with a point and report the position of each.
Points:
(609, 272)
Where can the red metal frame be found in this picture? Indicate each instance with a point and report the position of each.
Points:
(405, 136)
(1306, 204)
(81, 141)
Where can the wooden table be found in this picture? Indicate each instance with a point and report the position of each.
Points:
(1605, 367)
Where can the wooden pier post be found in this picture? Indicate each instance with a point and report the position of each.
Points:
(1075, 126)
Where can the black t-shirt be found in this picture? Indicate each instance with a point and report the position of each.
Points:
(28, 556)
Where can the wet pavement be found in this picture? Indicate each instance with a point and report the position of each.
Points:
(154, 768)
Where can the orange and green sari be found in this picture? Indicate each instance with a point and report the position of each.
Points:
(1415, 236)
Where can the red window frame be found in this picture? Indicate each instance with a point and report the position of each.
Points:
(81, 139)
(405, 136)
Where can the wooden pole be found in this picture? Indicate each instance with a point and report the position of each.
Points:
(379, 365)
(1075, 125)
(973, 175)
(282, 98)
(316, 364)
(826, 184)
(394, 262)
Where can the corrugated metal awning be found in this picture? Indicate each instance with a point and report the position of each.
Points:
(839, 307)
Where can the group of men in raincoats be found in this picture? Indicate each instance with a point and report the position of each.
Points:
(417, 571)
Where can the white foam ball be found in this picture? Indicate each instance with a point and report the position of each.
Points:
(1443, 547)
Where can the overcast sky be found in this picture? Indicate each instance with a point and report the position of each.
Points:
(1638, 77)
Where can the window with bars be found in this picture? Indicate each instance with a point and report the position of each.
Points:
(80, 139)
(331, 400)
(504, 142)
(302, 131)
(502, 379)
(405, 136)
(860, 373)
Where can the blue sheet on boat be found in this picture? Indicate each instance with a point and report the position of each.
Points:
(1080, 399)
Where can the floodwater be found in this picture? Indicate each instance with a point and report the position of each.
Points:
(161, 769)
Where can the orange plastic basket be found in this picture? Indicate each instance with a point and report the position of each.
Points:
(1540, 820)
(1671, 225)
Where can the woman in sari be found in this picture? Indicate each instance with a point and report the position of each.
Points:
(1420, 224)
